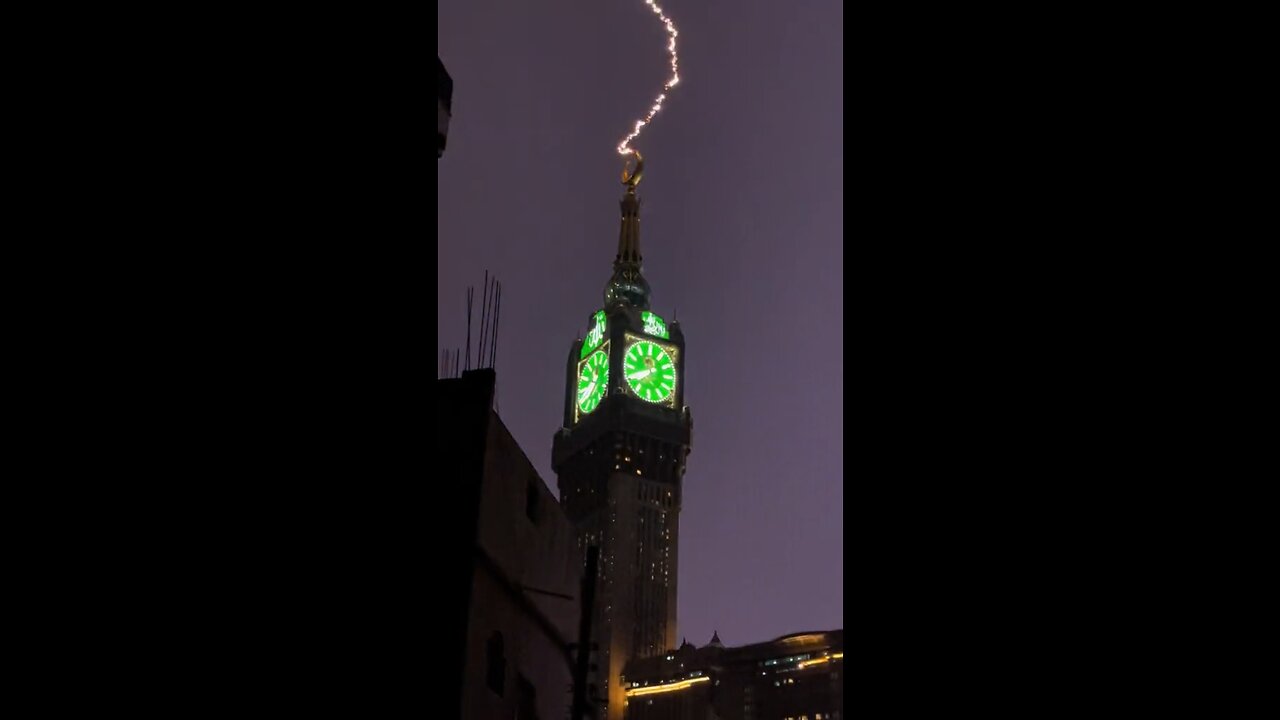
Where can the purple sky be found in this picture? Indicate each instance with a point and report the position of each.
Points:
(741, 232)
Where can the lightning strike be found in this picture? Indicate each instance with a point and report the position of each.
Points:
(624, 147)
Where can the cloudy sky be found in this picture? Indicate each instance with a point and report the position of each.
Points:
(742, 237)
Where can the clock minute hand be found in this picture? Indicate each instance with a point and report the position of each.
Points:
(642, 374)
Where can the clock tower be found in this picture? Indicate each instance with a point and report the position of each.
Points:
(620, 460)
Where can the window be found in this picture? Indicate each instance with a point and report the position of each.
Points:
(497, 663)
(526, 700)
(531, 501)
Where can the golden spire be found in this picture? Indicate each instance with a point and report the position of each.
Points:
(629, 237)
(627, 284)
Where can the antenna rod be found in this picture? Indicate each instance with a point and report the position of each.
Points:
(484, 317)
(456, 352)
(488, 334)
(493, 321)
(493, 315)
(497, 315)
(470, 292)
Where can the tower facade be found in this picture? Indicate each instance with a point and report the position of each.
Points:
(620, 460)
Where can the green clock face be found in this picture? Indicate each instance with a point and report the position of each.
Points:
(593, 375)
(649, 371)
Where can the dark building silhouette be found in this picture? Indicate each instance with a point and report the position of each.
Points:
(620, 459)
(796, 677)
(511, 604)
(444, 106)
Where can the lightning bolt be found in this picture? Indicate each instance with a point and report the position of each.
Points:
(624, 147)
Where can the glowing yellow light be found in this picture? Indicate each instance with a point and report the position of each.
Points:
(683, 684)
(820, 660)
(624, 147)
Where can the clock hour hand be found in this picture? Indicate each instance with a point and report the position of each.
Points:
(642, 374)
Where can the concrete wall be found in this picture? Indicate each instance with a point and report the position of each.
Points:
(537, 553)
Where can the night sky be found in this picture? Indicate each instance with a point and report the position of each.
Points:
(741, 232)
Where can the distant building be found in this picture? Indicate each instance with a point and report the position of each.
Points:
(796, 677)
(514, 608)
(444, 106)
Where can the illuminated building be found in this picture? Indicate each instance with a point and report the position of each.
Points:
(444, 106)
(513, 580)
(620, 460)
(796, 677)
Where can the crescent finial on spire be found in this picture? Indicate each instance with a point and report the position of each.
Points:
(631, 178)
